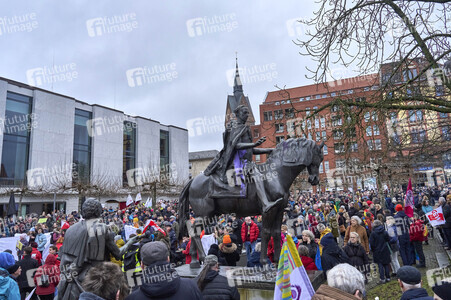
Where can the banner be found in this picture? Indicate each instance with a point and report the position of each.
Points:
(128, 229)
(138, 197)
(292, 281)
(409, 200)
(42, 220)
(436, 217)
(148, 202)
(129, 200)
(153, 225)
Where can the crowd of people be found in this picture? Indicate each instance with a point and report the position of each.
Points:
(332, 232)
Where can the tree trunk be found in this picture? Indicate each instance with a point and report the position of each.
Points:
(20, 204)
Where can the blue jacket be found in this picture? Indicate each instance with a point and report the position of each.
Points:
(41, 240)
(417, 294)
(402, 223)
(9, 289)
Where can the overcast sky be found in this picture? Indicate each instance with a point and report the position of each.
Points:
(108, 46)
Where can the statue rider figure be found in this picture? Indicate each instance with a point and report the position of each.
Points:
(237, 154)
(86, 244)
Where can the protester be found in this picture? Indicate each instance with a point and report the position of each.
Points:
(417, 237)
(442, 291)
(393, 243)
(255, 256)
(409, 279)
(35, 254)
(402, 222)
(104, 282)
(308, 240)
(214, 250)
(229, 251)
(41, 240)
(249, 235)
(160, 280)
(357, 227)
(332, 254)
(344, 282)
(9, 289)
(215, 286)
(47, 278)
(356, 253)
(307, 261)
(379, 239)
(26, 263)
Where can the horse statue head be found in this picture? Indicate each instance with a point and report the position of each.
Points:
(300, 152)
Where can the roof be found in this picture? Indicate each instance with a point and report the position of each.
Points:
(327, 87)
(207, 154)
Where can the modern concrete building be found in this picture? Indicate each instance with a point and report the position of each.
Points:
(52, 143)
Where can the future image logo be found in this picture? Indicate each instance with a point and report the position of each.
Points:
(153, 74)
(108, 25)
(208, 25)
(21, 23)
(253, 74)
(295, 27)
(51, 74)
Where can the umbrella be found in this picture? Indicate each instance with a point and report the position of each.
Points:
(12, 206)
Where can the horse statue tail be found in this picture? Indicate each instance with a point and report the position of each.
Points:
(183, 209)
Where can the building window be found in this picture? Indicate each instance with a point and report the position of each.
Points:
(335, 108)
(277, 103)
(353, 146)
(301, 99)
(376, 130)
(282, 102)
(324, 134)
(337, 134)
(129, 160)
(318, 97)
(374, 145)
(164, 152)
(394, 117)
(418, 136)
(326, 166)
(339, 163)
(443, 115)
(333, 94)
(360, 99)
(374, 116)
(350, 91)
(82, 146)
(339, 147)
(257, 158)
(267, 116)
(367, 116)
(310, 136)
(415, 116)
(256, 133)
(396, 139)
(307, 98)
(279, 127)
(307, 111)
(289, 112)
(190, 166)
(325, 151)
(279, 139)
(16, 139)
(323, 122)
(278, 114)
(316, 123)
(324, 96)
(321, 170)
(336, 121)
(366, 89)
(309, 124)
(318, 136)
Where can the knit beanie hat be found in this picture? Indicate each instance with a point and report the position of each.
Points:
(6, 260)
(13, 268)
(227, 239)
(398, 207)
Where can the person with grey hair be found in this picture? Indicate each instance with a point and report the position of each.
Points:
(379, 239)
(344, 282)
(393, 243)
(308, 240)
(409, 279)
(357, 227)
(356, 253)
(215, 286)
(307, 261)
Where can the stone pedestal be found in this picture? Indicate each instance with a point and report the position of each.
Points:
(252, 283)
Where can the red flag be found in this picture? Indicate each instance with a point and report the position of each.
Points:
(409, 203)
(154, 226)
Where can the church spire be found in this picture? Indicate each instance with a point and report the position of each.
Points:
(237, 86)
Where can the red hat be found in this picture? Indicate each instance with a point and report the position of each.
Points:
(369, 202)
(66, 225)
(398, 207)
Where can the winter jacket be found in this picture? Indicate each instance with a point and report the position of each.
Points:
(254, 260)
(230, 253)
(332, 254)
(326, 292)
(391, 230)
(362, 234)
(250, 231)
(52, 271)
(312, 247)
(35, 254)
(417, 294)
(41, 240)
(357, 255)
(447, 215)
(379, 239)
(417, 231)
(165, 283)
(309, 263)
(26, 263)
(218, 288)
(325, 231)
(89, 296)
(214, 249)
(402, 223)
(9, 289)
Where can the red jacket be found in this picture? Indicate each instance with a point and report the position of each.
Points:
(186, 252)
(253, 232)
(417, 231)
(309, 263)
(53, 272)
(35, 254)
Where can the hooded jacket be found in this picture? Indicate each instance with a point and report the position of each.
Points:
(230, 253)
(332, 254)
(8, 286)
(41, 239)
(402, 223)
(218, 288)
(160, 281)
(27, 263)
(53, 272)
(379, 239)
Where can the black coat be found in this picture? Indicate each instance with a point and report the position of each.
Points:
(357, 255)
(171, 286)
(332, 254)
(27, 263)
(312, 247)
(447, 215)
(218, 288)
(230, 254)
(379, 239)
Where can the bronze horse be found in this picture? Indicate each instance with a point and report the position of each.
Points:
(279, 171)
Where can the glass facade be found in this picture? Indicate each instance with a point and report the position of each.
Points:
(16, 139)
(82, 147)
(129, 158)
(164, 151)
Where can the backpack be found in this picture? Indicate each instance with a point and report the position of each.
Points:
(129, 260)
